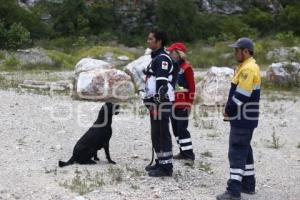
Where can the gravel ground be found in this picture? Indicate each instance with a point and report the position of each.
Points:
(36, 131)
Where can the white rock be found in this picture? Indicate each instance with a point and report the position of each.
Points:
(104, 84)
(88, 64)
(136, 67)
(214, 88)
(283, 72)
(123, 58)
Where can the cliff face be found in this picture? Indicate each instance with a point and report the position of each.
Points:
(135, 12)
(237, 6)
(211, 6)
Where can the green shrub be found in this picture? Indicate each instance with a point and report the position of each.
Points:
(17, 36)
(287, 38)
(233, 27)
(260, 20)
(2, 55)
(102, 17)
(203, 56)
(64, 44)
(177, 19)
(3, 33)
(288, 19)
(81, 41)
(62, 60)
(12, 61)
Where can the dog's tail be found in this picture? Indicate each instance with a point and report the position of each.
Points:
(69, 162)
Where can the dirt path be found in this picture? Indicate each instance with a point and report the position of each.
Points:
(36, 131)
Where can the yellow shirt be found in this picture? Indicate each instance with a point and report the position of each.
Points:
(247, 77)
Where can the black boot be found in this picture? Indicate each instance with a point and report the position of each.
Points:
(246, 191)
(160, 172)
(152, 167)
(227, 196)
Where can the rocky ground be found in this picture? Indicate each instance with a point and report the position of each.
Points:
(38, 130)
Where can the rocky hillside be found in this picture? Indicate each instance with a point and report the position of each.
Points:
(213, 6)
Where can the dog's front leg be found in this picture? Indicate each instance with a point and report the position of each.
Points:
(106, 148)
(96, 156)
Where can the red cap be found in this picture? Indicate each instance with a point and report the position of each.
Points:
(177, 46)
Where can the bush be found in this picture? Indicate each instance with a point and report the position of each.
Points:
(233, 27)
(70, 18)
(288, 20)
(17, 36)
(260, 20)
(12, 61)
(287, 38)
(177, 18)
(3, 33)
(102, 17)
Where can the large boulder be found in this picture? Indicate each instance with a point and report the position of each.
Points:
(97, 80)
(88, 64)
(213, 89)
(284, 73)
(283, 54)
(136, 67)
(104, 84)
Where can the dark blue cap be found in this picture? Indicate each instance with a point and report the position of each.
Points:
(243, 43)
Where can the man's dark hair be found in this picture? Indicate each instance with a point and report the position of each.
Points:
(250, 52)
(160, 35)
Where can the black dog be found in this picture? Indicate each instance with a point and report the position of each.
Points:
(95, 138)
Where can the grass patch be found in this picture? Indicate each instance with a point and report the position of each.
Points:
(2, 55)
(6, 84)
(67, 61)
(205, 56)
(62, 60)
(116, 174)
(275, 142)
(207, 154)
(99, 52)
(11, 62)
(267, 85)
(84, 185)
(205, 167)
(298, 146)
(134, 173)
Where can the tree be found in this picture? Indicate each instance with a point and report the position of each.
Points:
(177, 18)
(17, 36)
(70, 17)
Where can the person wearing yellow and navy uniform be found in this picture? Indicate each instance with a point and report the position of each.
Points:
(184, 97)
(242, 110)
(159, 95)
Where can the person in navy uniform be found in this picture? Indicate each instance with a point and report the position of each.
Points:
(159, 95)
(184, 97)
(242, 111)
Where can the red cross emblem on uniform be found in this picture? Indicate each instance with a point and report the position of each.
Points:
(164, 65)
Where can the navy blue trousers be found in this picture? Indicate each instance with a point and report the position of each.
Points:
(161, 137)
(180, 122)
(241, 161)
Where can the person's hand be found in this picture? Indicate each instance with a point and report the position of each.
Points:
(142, 94)
(157, 98)
(226, 117)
